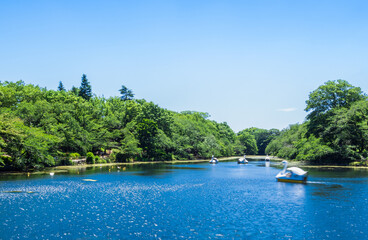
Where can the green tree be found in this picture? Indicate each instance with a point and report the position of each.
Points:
(75, 91)
(129, 146)
(347, 131)
(333, 94)
(90, 158)
(263, 137)
(313, 150)
(284, 145)
(61, 87)
(147, 130)
(225, 137)
(85, 90)
(248, 143)
(126, 94)
(160, 116)
(28, 147)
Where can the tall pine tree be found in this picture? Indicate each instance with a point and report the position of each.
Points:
(126, 94)
(85, 90)
(61, 87)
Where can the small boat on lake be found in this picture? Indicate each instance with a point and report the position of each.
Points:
(242, 160)
(293, 174)
(213, 160)
(89, 180)
(267, 159)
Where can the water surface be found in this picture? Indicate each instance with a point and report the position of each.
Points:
(200, 201)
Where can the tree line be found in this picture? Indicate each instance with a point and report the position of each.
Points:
(335, 130)
(41, 128)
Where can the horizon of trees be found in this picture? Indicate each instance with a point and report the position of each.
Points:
(41, 128)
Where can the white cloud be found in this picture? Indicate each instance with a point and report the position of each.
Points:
(286, 110)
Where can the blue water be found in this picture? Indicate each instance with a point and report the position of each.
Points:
(194, 201)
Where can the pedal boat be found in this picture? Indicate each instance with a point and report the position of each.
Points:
(213, 160)
(242, 160)
(292, 174)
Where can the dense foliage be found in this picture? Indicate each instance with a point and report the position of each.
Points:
(335, 131)
(258, 139)
(40, 127)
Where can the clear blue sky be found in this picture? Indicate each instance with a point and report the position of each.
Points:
(247, 63)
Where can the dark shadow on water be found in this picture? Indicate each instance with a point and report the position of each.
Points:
(151, 169)
(336, 172)
(329, 190)
(161, 170)
(152, 172)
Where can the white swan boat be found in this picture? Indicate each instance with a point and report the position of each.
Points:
(213, 160)
(242, 160)
(293, 174)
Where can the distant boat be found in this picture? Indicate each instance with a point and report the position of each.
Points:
(267, 159)
(242, 160)
(293, 174)
(213, 160)
(52, 174)
(89, 180)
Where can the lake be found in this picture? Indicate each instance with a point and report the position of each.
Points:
(191, 201)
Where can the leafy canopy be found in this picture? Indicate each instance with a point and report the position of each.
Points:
(333, 94)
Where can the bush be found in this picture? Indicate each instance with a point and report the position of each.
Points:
(74, 155)
(90, 159)
(358, 163)
(99, 160)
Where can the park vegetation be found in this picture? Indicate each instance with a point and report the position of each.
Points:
(335, 130)
(41, 128)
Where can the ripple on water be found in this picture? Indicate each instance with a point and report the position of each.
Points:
(221, 202)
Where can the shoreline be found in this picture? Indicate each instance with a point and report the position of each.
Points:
(65, 169)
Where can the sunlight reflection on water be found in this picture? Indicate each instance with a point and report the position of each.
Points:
(223, 201)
